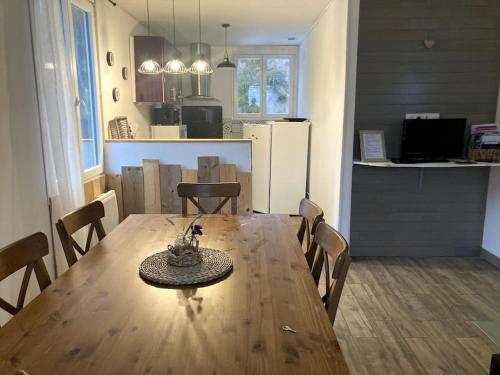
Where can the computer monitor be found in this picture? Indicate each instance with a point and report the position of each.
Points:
(433, 138)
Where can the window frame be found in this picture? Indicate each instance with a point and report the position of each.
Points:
(88, 7)
(263, 79)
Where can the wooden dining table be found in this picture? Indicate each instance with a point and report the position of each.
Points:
(100, 317)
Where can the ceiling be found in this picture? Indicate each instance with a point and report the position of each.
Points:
(253, 22)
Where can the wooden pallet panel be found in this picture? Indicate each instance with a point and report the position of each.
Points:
(209, 171)
(94, 187)
(170, 176)
(152, 199)
(227, 174)
(190, 175)
(114, 182)
(133, 190)
(245, 198)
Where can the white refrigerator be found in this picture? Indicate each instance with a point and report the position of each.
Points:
(279, 165)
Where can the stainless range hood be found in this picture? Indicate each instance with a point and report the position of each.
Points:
(200, 85)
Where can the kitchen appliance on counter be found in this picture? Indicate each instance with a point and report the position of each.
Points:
(202, 120)
(167, 114)
(168, 131)
(279, 165)
(202, 113)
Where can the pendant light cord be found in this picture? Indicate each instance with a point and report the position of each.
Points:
(226, 55)
(173, 15)
(147, 10)
(199, 27)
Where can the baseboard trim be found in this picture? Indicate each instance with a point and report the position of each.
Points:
(490, 258)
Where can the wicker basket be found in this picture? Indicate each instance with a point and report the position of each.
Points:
(480, 154)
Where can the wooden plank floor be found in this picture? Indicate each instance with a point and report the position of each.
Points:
(412, 315)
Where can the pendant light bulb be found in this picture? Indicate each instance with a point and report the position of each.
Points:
(149, 66)
(175, 64)
(200, 66)
(226, 63)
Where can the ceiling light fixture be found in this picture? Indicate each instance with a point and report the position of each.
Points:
(175, 64)
(149, 66)
(200, 66)
(226, 63)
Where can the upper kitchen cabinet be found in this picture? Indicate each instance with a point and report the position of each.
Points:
(153, 88)
(147, 87)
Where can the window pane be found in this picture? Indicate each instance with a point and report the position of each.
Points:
(278, 85)
(249, 77)
(85, 69)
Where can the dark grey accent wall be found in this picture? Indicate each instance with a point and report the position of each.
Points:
(439, 212)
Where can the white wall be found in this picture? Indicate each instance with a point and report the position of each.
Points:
(326, 97)
(491, 234)
(114, 29)
(184, 153)
(23, 195)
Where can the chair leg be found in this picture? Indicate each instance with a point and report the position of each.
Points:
(184, 206)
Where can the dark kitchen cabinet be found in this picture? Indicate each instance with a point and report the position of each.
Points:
(148, 87)
(152, 88)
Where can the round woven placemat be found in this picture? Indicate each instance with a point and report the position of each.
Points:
(214, 265)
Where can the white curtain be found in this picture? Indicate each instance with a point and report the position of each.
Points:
(61, 145)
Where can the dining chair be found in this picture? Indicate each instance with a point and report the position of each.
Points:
(226, 190)
(332, 246)
(88, 215)
(312, 215)
(27, 252)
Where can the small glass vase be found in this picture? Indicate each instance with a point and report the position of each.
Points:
(185, 252)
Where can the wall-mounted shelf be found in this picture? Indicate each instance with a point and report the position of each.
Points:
(390, 164)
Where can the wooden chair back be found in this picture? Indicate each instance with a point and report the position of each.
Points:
(88, 215)
(226, 190)
(27, 252)
(332, 246)
(312, 215)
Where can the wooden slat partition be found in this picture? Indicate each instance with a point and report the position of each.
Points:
(227, 174)
(190, 175)
(170, 176)
(153, 187)
(209, 171)
(94, 187)
(133, 190)
(114, 182)
(152, 200)
(245, 198)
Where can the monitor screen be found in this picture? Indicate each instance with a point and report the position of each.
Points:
(439, 138)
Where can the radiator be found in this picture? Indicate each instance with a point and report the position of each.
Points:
(110, 220)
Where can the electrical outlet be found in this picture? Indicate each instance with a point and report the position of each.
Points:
(423, 116)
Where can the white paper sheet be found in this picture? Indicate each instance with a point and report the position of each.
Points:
(373, 146)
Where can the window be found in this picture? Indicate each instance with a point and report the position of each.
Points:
(80, 41)
(264, 86)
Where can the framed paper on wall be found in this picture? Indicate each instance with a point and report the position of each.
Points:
(372, 144)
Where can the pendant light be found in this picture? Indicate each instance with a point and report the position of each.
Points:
(175, 64)
(200, 66)
(226, 63)
(149, 66)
